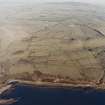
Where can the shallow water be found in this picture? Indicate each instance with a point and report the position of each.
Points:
(28, 95)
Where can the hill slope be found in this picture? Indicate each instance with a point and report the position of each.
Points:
(58, 39)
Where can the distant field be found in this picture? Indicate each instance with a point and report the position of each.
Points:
(66, 39)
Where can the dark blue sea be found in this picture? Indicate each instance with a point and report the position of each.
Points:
(29, 95)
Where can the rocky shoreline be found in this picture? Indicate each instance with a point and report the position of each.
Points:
(44, 84)
(47, 80)
(44, 79)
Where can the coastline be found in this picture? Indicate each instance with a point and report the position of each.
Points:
(28, 89)
(90, 86)
(69, 86)
(58, 85)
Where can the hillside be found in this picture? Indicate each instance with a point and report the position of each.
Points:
(65, 39)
